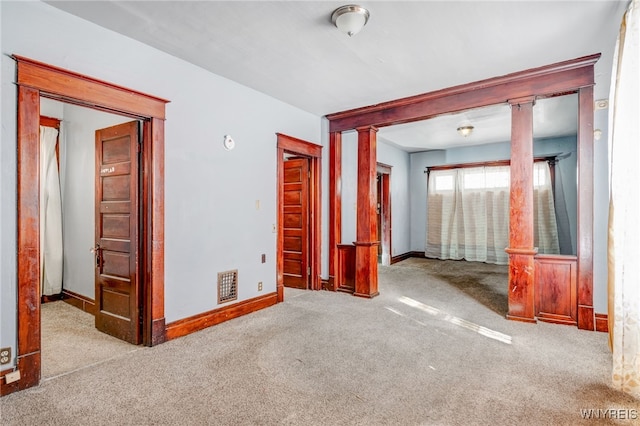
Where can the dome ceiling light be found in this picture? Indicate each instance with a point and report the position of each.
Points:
(350, 19)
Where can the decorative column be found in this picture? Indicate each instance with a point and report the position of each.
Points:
(586, 317)
(521, 250)
(335, 204)
(366, 280)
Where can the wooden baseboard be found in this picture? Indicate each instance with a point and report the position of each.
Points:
(556, 319)
(521, 319)
(158, 332)
(79, 301)
(52, 298)
(407, 255)
(327, 284)
(29, 366)
(586, 319)
(602, 322)
(207, 319)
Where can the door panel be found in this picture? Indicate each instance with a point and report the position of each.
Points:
(296, 223)
(117, 281)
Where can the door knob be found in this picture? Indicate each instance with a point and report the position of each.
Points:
(96, 251)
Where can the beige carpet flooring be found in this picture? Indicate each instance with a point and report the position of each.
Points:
(70, 340)
(432, 349)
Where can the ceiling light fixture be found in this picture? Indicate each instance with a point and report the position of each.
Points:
(465, 130)
(350, 19)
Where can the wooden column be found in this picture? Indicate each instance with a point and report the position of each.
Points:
(366, 284)
(586, 317)
(335, 204)
(155, 282)
(521, 250)
(28, 351)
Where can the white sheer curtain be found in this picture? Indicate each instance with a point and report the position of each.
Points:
(50, 215)
(545, 226)
(624, 208)
(468, 213)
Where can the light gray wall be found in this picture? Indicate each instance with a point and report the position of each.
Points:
(399, 191)
(77, 182)
(349, 185)
(211, 220)
(566, 184)
(418, 194)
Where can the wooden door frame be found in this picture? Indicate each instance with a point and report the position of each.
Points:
(35, 80)
(575, 75)
(301, 148)
(384, 170)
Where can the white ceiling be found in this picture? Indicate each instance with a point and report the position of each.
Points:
(291, 51)
(552, 117)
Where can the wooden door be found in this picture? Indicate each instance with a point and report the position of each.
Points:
(117, 282)
(296, 223)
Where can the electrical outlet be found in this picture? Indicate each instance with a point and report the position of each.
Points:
(260, 286)
(5, 356)
(14, 376)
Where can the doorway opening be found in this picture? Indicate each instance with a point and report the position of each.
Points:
(72, 225)
(298, 229)
(36, 80)
(383, 181)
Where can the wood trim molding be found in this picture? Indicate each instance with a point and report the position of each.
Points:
(36, 80)
(335, 203)
(84, 303)
(72, 87)
(298, 146)
(290, 145)
(407, 255)
(201, 321)
(542, 81)
(49, 122)
(602, 322)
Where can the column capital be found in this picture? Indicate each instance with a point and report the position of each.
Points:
(366, 129)
(522, 101)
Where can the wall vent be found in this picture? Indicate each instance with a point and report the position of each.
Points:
(227, 286)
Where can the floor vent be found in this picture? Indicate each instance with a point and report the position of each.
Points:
(227, 286)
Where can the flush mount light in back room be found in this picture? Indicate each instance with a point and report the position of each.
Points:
(465, 130)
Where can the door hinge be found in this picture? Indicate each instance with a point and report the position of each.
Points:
(139, 147)
(308, 270)
(309, 174)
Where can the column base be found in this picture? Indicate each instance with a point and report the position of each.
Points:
(521, 319)
(367, 296)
